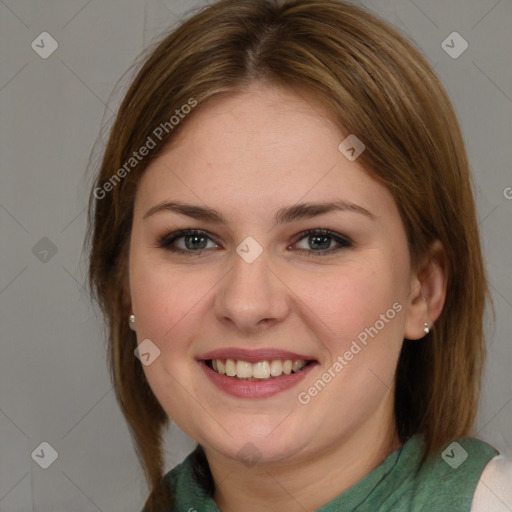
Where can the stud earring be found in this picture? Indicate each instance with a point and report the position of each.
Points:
(426, 329)
(132, 322)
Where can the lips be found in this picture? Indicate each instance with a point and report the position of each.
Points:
(255, 373)
(255, 356)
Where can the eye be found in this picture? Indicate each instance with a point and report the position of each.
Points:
(186, 241)
(319, 242)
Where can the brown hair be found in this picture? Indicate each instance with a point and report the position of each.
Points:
(377, 86)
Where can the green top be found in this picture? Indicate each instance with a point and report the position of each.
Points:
(446, 483)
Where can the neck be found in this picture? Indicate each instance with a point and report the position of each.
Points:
(300, 485)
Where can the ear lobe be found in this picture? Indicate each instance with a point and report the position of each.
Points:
(428, 293)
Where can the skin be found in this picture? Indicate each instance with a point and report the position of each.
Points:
(246, 155)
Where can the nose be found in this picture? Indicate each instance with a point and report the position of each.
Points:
(251, 297)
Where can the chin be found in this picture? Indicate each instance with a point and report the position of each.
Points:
(257, 443)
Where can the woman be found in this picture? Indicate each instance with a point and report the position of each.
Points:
(284, 245)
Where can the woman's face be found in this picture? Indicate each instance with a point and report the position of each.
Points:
(255, 290)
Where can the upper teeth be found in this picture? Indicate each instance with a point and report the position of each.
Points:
(259, 370)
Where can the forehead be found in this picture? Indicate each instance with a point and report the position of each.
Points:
(263, 147)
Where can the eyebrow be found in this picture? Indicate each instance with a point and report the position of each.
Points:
(282, 216)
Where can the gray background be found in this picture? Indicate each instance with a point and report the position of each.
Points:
(54, 383)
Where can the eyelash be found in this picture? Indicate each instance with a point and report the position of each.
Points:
(166, 241)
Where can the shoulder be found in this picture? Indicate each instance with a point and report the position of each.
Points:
(177, 481)
(188, 488)
(181, 478)
(493, 492)
(460, 460)
(448, 479)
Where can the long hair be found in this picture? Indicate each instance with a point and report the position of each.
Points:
(376, 85)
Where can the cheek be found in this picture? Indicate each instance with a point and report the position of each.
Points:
(166, 302)
(346, 300)
(166, 299)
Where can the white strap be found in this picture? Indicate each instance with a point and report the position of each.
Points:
(493, 492)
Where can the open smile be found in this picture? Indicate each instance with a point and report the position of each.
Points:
(262, 370)
(255, 374)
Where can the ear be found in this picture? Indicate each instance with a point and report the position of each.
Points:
(427, 292)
